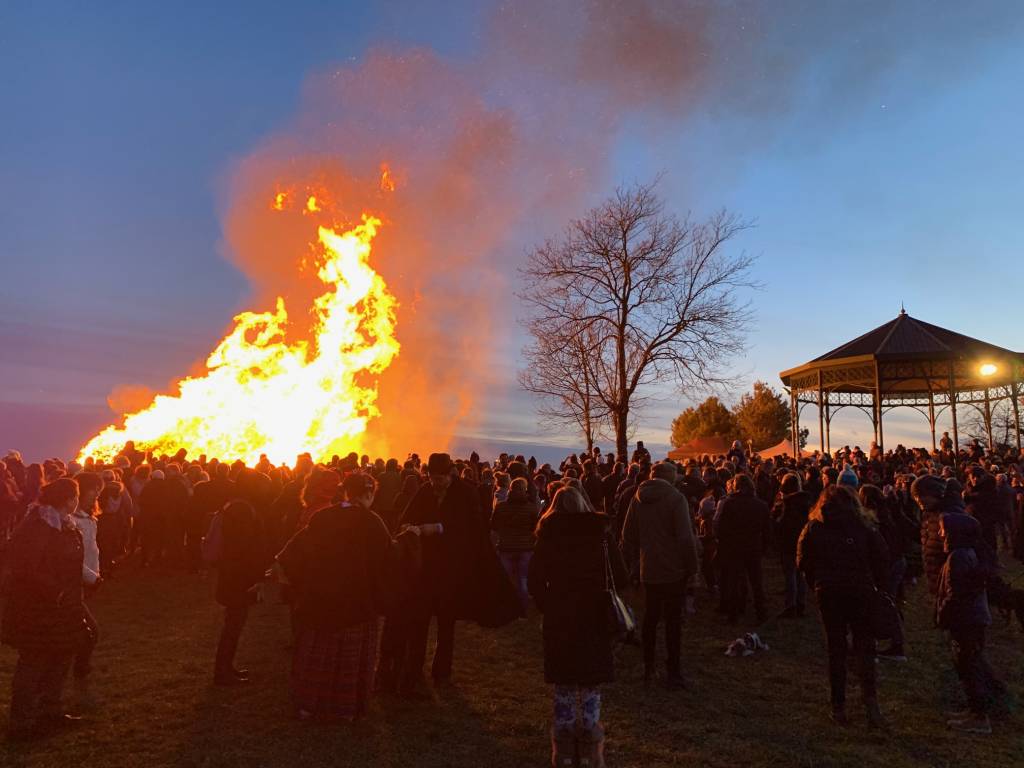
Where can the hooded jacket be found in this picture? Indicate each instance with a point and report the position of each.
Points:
(961, 600)
(657, 537)
(742, 526)
(933, 550)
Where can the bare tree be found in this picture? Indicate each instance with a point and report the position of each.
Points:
(560, 370)
(656, 296)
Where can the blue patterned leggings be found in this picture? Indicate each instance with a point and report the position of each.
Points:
(574, 702)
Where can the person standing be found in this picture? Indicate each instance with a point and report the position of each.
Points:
(239, 552)
(84, 518)
(461, 576)
(743, 529)
(44, 616)
(790, 514)
(961, 608)
(513, 521)
(336, 567)
(935, 497)
(843, 557)
(568, 583)
(661, 554)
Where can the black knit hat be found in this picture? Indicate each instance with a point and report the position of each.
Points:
(439, 464)
(929, 485)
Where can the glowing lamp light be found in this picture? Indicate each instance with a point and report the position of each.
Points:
(988, 369)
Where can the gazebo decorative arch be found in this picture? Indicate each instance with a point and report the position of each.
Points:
(907, 363)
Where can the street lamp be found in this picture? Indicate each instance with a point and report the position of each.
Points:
(988, 369)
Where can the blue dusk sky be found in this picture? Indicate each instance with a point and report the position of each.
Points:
(878, 149)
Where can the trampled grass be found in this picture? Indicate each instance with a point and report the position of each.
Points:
(153, 672)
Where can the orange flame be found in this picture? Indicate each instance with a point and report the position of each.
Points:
(278, 204)
(387, 181)
(312, 205)
(264, 394)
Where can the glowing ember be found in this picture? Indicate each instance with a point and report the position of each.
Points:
(265, 394)
(311, 204)
(278, 204)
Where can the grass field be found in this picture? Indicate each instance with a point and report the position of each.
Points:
(153, 670)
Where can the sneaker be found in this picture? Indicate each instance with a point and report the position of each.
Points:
(974, 724)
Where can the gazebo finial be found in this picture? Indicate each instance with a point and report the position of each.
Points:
(903, 309)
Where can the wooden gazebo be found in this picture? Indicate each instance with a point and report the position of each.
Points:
(907, 363)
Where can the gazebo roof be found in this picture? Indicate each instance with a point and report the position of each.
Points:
(907, 337)
(907, 355)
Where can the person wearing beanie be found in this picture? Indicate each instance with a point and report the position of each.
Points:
(848, 478)
(961, 608)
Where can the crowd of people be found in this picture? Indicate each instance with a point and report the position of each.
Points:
(369, 553)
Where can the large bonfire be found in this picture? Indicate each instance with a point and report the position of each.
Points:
(266, 392)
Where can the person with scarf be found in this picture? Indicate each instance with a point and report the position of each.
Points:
(44, 617)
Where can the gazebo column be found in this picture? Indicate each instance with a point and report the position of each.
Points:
(828, 428)
(952, 410)
(792, 420)
(988, 420)
(1015, 399)
(879, 437)
(821, 412)
(931, 416)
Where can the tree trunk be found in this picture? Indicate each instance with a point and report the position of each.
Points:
(621, 433)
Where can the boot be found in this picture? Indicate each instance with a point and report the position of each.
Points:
(84, 699)
(838, 715)
(874, 715)
(590, 744)
(563, 748)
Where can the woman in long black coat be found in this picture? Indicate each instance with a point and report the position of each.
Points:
(567, 580)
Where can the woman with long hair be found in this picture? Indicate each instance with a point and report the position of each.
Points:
(568, 582)
(844, 558)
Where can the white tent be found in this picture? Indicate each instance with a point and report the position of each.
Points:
(785, 447)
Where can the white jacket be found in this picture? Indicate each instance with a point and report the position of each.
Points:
(91, 562)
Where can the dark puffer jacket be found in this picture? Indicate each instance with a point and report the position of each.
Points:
(567, 582)
(961, 601)
(44, 610)
(657, 537)
(841, 551)
(933, 550)
(790, 513)
(514, 521)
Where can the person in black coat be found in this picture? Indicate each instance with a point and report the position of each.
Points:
(844, 558)
(241, 564)
(790, 516)
(985, 504)
(742, 529)
(44, 617)
(568, 583)
(961, 608)
(461, 578)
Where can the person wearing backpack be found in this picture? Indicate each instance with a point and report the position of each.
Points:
(844, 559)
(961, 608)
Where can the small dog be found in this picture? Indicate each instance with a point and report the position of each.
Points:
(1006, 600)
